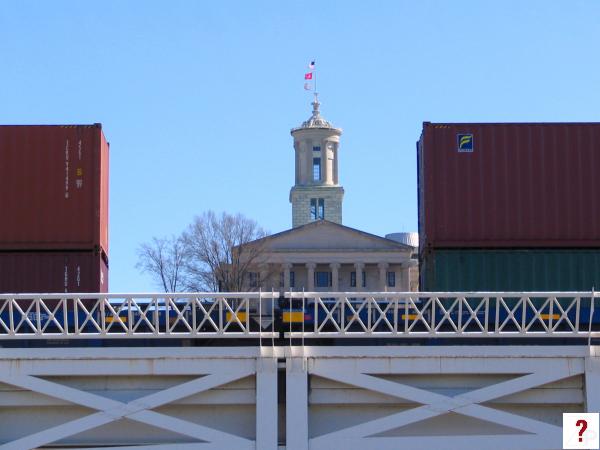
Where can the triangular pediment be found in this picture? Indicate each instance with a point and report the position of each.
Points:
(325, 235)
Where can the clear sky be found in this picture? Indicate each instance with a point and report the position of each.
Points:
(197, 98)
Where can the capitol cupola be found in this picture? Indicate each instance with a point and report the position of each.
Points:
(316, 194)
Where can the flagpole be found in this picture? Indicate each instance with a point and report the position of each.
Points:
(311, 75)
(315, 72)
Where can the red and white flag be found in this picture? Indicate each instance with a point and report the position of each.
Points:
(308, 76)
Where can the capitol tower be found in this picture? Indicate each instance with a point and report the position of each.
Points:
(316, 194)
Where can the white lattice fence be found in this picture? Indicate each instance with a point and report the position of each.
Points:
(137, 316)
(445, 314)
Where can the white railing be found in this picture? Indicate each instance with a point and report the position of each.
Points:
(90, 316)
(444, 314)
(300, 314)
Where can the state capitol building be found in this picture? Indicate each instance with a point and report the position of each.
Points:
(319, 253)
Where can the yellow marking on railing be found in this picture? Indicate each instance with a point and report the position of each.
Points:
(110, 319)
(548, 316)
(404, 316)
(293, 316)
(240, 315)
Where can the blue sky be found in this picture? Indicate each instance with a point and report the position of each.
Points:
(197, 98)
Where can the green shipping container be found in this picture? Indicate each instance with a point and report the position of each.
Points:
(510, 270)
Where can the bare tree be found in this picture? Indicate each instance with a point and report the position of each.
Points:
(164, 260)
(215, 253)
(221, 251)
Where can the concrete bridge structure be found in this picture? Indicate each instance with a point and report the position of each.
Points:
(295, 390)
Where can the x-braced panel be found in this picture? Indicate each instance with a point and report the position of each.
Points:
(527, 374)
(142, 409)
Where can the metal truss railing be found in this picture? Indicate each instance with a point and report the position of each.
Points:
(300, 315)
(90, 316)
(444, 314)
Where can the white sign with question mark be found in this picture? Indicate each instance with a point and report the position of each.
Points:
(581, 431)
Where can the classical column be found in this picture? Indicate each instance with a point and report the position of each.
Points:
(308, 161)
(264, 276)
(383, 267)
(405, 278)
(335, 165)
(297, 159)
(310, 274)
(324, 163)
(359, 267)
(287, 267)
(335, 267)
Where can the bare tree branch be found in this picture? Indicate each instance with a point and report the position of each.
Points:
(215, 253)
(218, 257)
(163, 259)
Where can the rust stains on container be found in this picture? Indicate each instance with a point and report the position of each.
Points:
(510, 185)
(53, 187)
(53, 272)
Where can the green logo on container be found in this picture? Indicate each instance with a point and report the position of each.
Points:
(465, 143)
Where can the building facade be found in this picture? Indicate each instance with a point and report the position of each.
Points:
(325, 256)
(319, 253)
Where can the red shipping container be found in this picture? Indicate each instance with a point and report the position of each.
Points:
(509, 185)
(53, 187)
(53, 272)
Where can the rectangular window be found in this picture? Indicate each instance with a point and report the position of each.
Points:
(317, 209)
(321, 209)
(391, 279)
(281, 279)
(292, 279)
(253, 279)
(353, 279)
(316, 149)
(316, 169)
(322, 279)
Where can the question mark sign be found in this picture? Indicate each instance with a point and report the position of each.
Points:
(583, 424)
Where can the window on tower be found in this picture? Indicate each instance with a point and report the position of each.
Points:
(316, 149)
(317, 209)
(316, 169)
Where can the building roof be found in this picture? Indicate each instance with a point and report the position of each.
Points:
(315, 120)
(342, 235)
